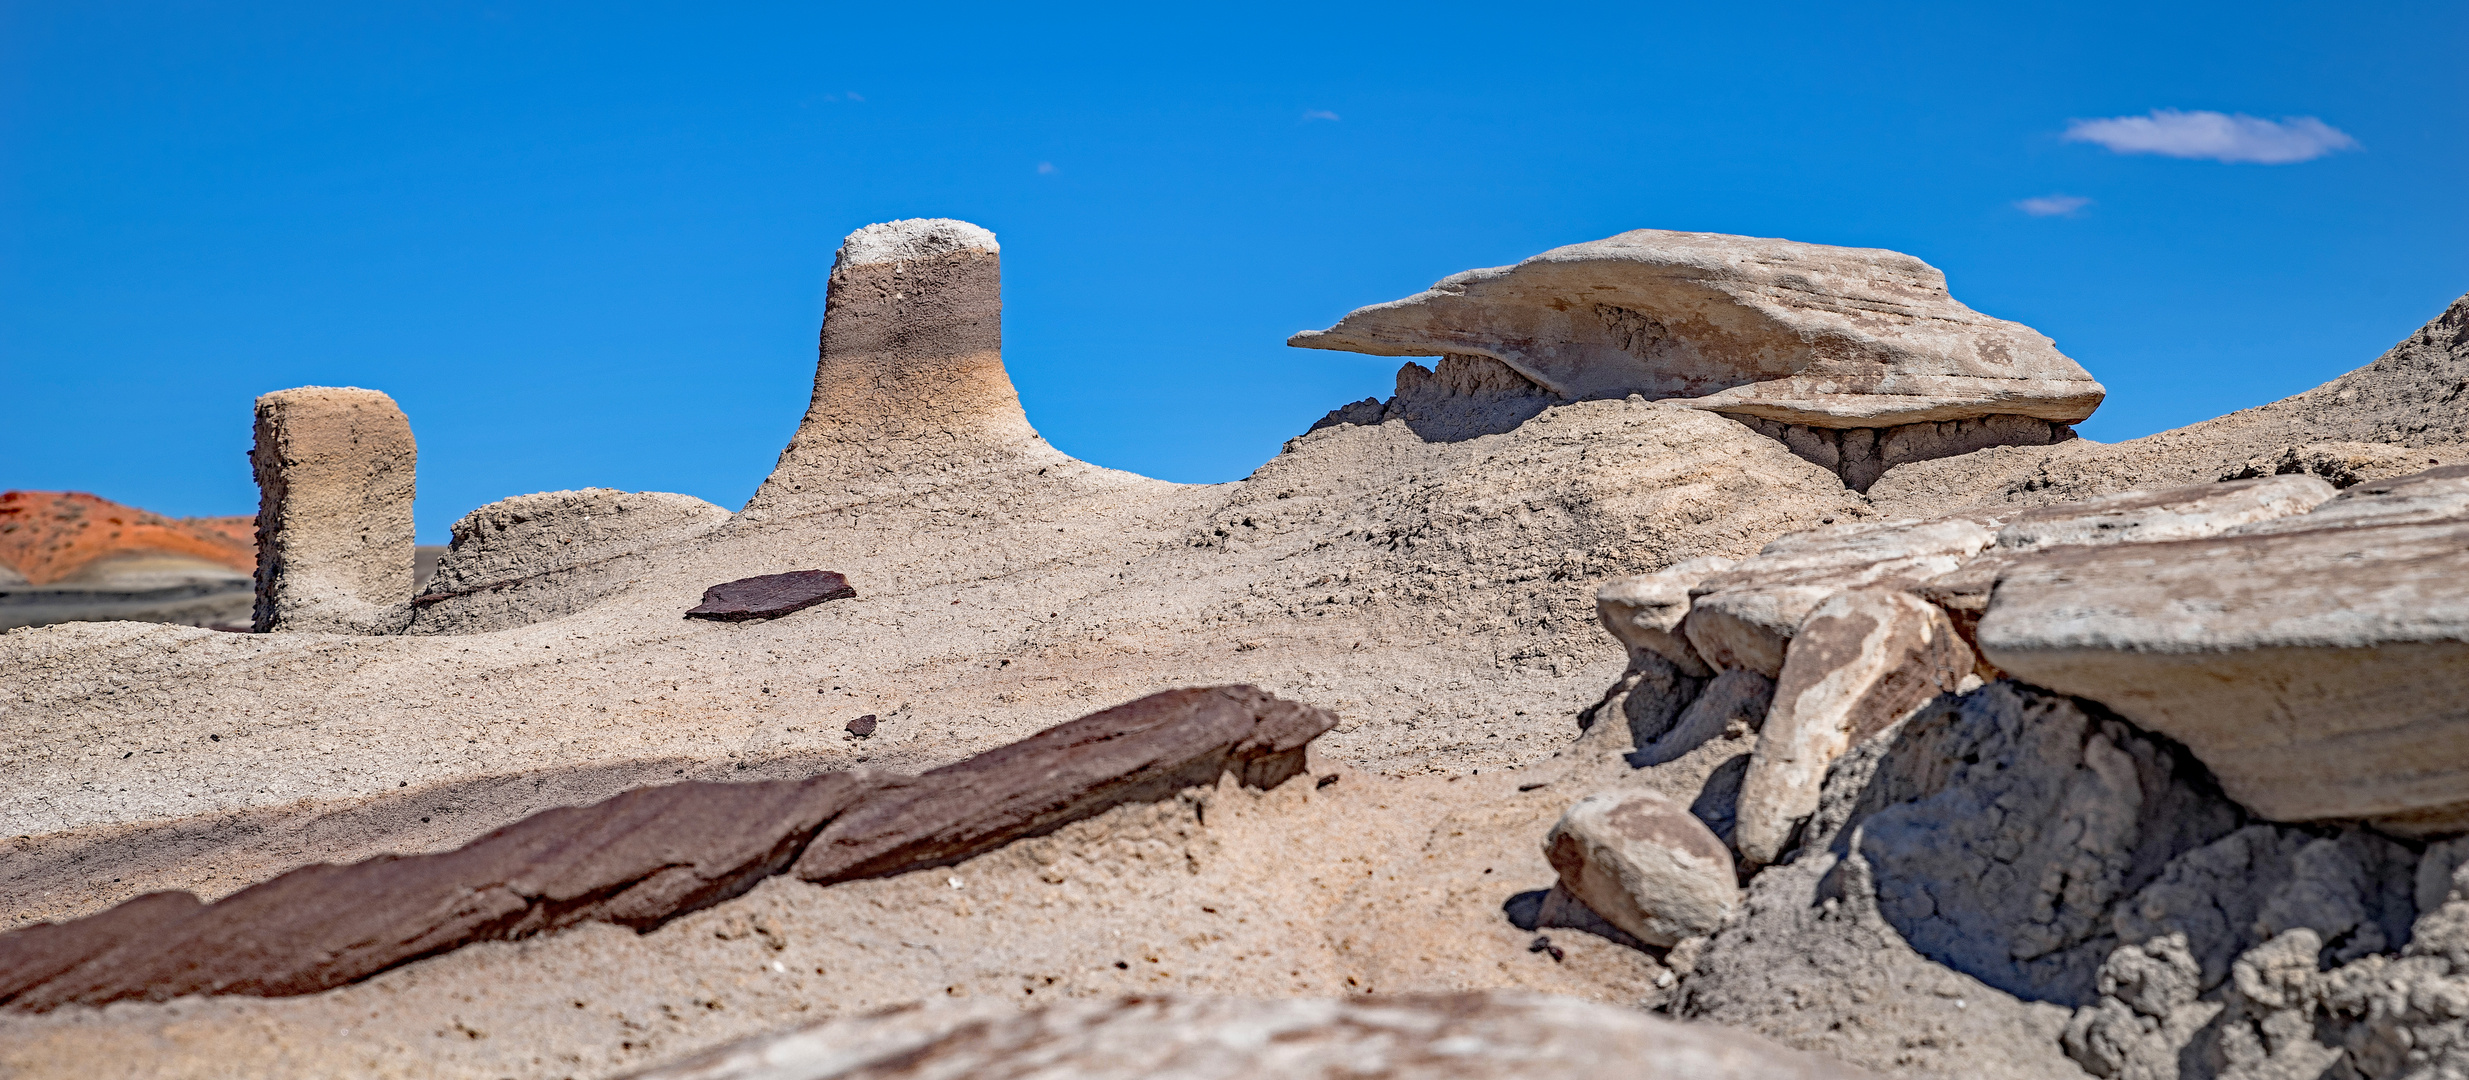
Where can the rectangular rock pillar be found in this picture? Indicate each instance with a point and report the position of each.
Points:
(334, 519)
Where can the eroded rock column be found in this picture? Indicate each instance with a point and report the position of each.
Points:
(335, 472)
(910, 379)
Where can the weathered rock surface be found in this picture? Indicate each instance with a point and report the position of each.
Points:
(1861, 660)
(1861, 456)
(2433, 495)
(1791, 332)
(2354, 643)
(1412, 1037)
(2128, 517)
(648, 856)
(2142, 517)
(532, 558)
(636, 860)
(1139, 751)
(335, 479)
(1644, 612)
(1457, 398)
(770, 596)
(1744, 617)
(1640, 860)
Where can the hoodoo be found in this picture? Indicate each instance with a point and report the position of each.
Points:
(1856, 358)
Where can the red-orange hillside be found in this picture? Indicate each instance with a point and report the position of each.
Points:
(49, 535)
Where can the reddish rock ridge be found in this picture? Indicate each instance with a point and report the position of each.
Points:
(49, 535)
(648, 856)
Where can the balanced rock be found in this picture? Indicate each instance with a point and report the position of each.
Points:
(1808, 343)
(2319, 673)
(335, 477)
(1482, 1036)
(1643, 862)
(1644, 612)
(1744, 617)
(1861, 660)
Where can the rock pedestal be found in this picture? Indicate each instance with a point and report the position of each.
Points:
(335, 472)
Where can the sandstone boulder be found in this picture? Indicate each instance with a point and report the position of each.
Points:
(1795, 333)
(1644, 863)
(1644, 612)
(1486, 1036)
(1861, 660)
(1744, 617)
(2318, 673)
(334, 522)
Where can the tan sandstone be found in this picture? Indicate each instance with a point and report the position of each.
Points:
(335, 475)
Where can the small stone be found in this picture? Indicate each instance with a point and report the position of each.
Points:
(770, 596)
(1644, 863)
(862, 726)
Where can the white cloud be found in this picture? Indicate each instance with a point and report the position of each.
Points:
(2217, 136)
(2052, 205)
(1319, 114)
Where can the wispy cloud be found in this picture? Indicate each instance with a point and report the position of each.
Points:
(1045, 168)
(2217, 136)
(2052, 205)
(1319, 114)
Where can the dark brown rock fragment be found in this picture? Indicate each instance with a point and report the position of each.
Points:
(1139, 751)
(862, 726)
(770, 596)
(637, 860)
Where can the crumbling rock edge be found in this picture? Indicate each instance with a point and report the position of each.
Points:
(650, 855)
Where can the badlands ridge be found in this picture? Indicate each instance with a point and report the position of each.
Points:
(1926, 738)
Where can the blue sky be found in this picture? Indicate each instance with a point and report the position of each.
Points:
(586, 244)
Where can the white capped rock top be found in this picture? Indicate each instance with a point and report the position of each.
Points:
(913, 238)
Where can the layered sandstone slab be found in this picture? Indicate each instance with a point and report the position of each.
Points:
(648, 856)
(1806, 334)
(1486, 1036)
(1139, 751)
(1645, 611)
(335, 482)
(2319, 673)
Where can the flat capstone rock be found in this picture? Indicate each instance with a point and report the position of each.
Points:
(770, 596)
